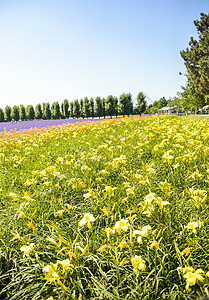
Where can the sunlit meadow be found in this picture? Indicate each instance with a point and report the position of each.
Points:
(109, 210)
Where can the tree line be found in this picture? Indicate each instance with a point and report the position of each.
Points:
(83, 108)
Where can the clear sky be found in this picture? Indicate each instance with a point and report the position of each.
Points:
(51, 50)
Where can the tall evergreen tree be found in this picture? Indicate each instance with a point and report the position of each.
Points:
(22, 113)
(196, 56)
(98, 107)
(116, 105)
(30, 112)
(103, 107)
(162, 102)
(7, 113)
(1, 115)
(125, 104)
(92, 107)
(15, 113)
(110, 106)
(76, 109)
(52, 111)
(55, 110)
(86, 106)
(65, 109)
(81, 108)
(38, 112)
(141, 103)
(62, 111)
(46, 111)
(71, 109)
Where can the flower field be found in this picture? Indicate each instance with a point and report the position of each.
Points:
(21, 125)
(116, 209)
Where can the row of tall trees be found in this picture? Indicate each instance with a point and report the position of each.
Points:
(84, 108)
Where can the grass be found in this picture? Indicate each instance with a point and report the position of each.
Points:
(108, 210)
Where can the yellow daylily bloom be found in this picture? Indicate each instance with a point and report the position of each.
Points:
(108, 232)
(59, 213)
(27, 249)
(186, 251)
(145, 231)
(123, 243)
(138, 263)
(87, 219)
(154, 244)
(194, 225)
(121, 225)
(104, 247)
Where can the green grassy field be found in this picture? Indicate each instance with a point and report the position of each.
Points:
(109, 210)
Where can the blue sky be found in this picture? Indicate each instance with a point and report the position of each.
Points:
(53, 50)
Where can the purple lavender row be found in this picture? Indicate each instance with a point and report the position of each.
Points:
(21, 125)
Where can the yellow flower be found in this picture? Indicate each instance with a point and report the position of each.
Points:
(109, 190)
(139, 240)
(27, 197)
(60, 159)
(108, 232)
(145, 231)
(105, 211)
(47, 183)
(138, 176)
(17, 236)
(76, 183)
(194, 225)
(121, 225)
(52, 275)
(138, 263)
(195, 174)
(193, 277)
(87, 219)
(99, 179)
(21, 214)
(149, 198)
(89, 194)
(104, 247)
(123, 243)
(154, 244)
(59, 213)
(50, 270)
(14, 196)
(186, 251)
(151, 171)
(159, 201)
(66, 265)
(85, 168)
(130, 191)
(176, 166)
(167, 157)
(27, 249)
(165, 187)
(30, 225)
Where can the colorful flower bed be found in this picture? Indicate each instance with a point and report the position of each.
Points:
(21, 125)
(105, 210)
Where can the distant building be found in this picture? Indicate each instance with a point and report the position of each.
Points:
(167, 110)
